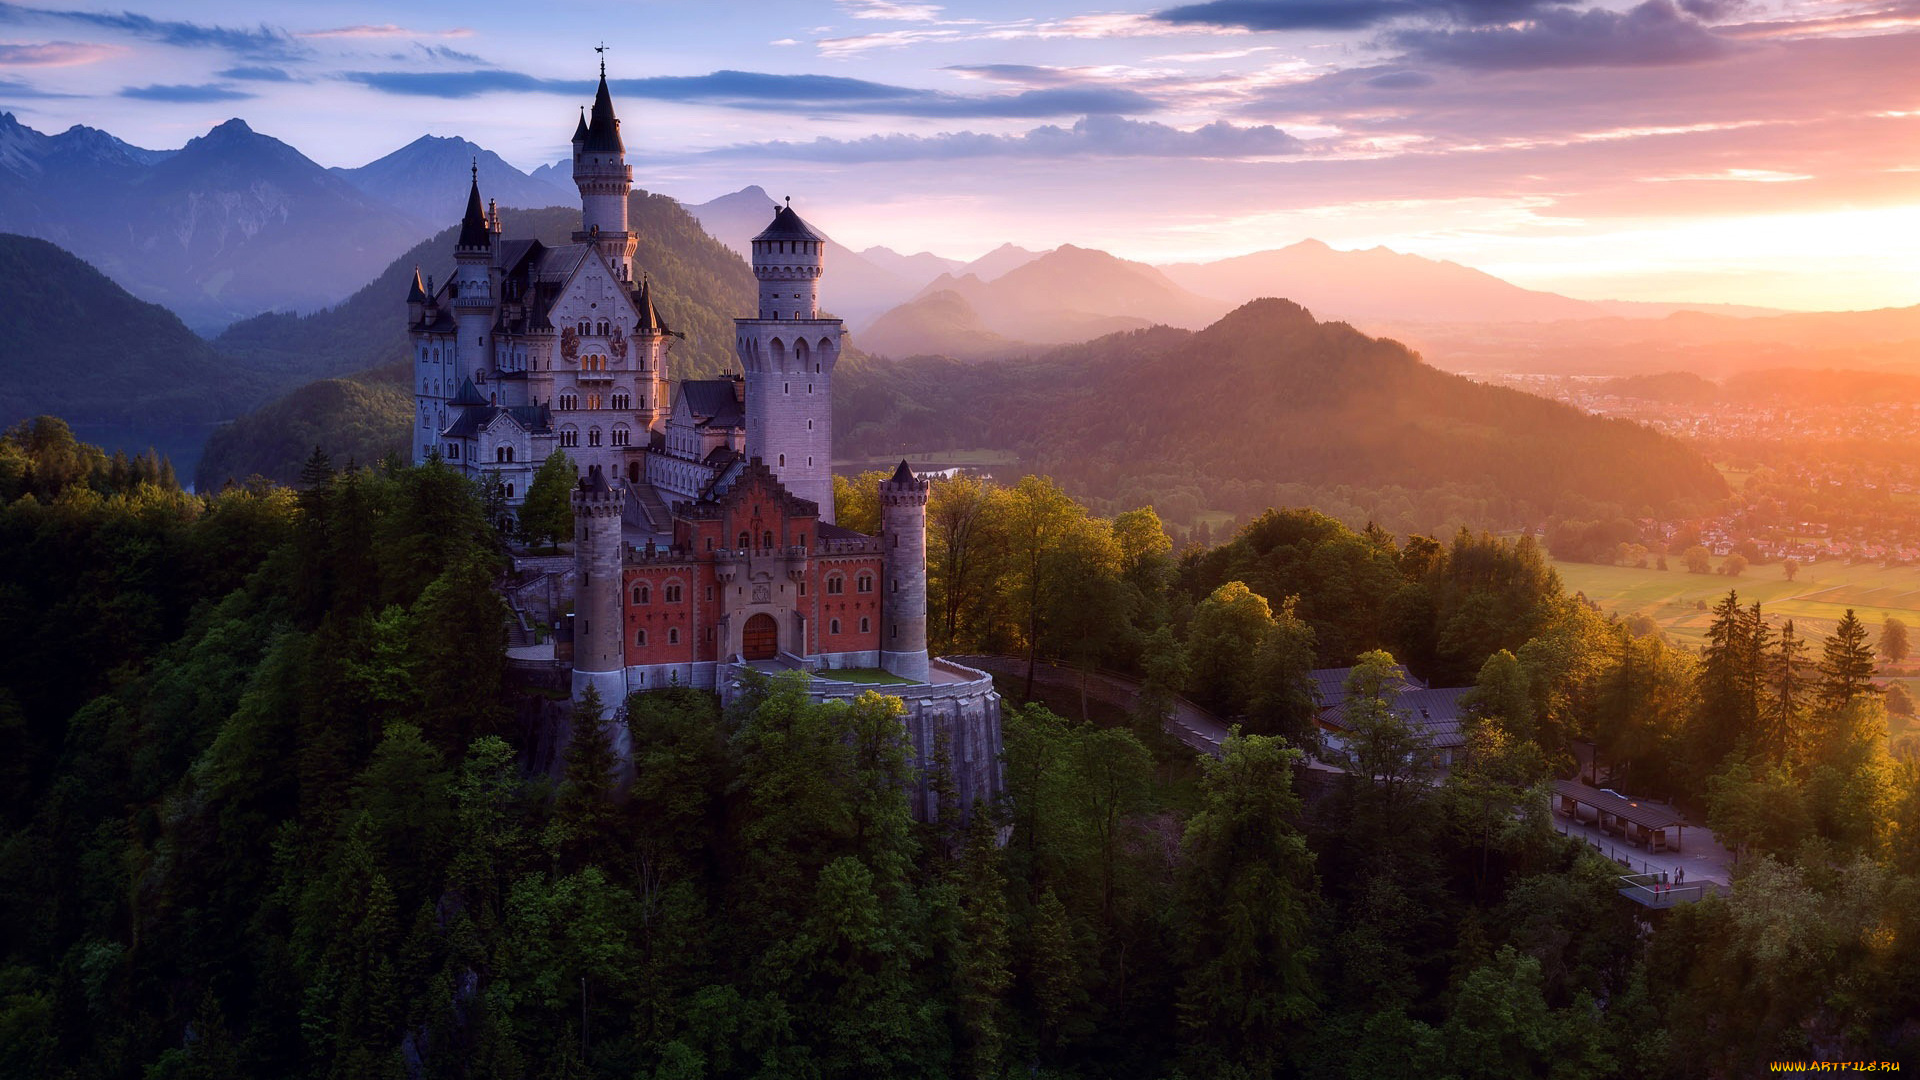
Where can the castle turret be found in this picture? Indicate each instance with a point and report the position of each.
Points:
(788, 354)
(650, 337)
(416, 300)
(599, 653)
(473, 287)
(601, 172)
(903, 532)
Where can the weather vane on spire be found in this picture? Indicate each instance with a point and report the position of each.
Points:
(602, 50)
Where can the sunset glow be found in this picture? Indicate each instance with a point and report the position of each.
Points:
(1707, 150)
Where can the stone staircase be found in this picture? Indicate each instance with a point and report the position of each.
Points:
(645, 508)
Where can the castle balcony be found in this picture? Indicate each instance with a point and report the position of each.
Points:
(598, 376)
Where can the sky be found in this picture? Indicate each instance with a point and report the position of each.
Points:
(1741, 151)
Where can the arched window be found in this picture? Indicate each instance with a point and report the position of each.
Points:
(640, 637)
(766, 539)
(866, 627)
(593, 401)
(673, 594)
(833, 626)
(836, 584)
(673, 636)
(509, 489)
(746, 540)
(783, 461)
(800, 353)
(865, 583)
(640, 594)
(593, 436)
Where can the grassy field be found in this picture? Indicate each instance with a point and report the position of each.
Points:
(1815, 600)
(872, 676)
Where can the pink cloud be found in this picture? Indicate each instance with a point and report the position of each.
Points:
(55, 54)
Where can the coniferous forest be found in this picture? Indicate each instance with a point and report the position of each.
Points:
(270, 810)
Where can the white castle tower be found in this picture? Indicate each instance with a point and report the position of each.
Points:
(601, 172)
(788, 354)
(473, 288)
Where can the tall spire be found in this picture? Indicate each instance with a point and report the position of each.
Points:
(603, 129)
(473, 227)
(580, 133)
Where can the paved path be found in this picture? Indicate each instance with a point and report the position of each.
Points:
(1701, 855)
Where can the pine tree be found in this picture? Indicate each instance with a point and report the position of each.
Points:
(1788, 699)
(1846, 666)
(584, 819)
(981, 976)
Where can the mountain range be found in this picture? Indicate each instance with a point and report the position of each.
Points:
(427, 180)
(229, 225)
(1269, 406)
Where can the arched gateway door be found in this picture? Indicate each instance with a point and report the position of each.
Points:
(760, 638)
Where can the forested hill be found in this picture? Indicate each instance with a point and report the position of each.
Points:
(1261, 403)
(358, 408)
(74, 343)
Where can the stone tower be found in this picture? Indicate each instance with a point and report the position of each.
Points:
(649, 343)
(473, 288)
(601, 172)
(903, 532)
(599, 646)
(788, 354)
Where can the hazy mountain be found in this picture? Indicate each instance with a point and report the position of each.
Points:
(79, 346)
(232, 224)
(1375, 285)
(853, 288)
(1069, 294)
(1269, 407)
(1657, 309)
(1711, 345)
(998, 261)
(428, 178)
(922, 266)
(939, 324)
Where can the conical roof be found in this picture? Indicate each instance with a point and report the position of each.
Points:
(469, 395)
(417, 294)
(649, 317)
(580, 133)
(603, 132)
(903, 474)
(788, 226)
(473, 227)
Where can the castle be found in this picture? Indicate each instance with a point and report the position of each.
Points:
(704, 536)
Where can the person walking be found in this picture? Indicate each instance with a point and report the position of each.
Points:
(1680, 875)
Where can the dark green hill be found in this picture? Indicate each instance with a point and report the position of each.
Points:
(699, 286)
(75, 345)
(1268, 406)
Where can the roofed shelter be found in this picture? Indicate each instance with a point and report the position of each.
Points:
(1653, 826)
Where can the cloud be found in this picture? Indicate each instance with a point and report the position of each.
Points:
(748, 89)
(261, 41)
(16, 90)
(54, 54)
(257, 74)
(1076, 27)
(1090, 136)
(442, 52)
(185, 93)
(1400, 80)
(1652, 34)
(1347, 14)
(882, 9)
(383, 30)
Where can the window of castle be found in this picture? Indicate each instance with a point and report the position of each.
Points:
(746, 540)
(865, 583)
(673, 594)
(640, 637)
(673, 636)
(639, 594)
(833, 627)
(866, 626)
(836, 585)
